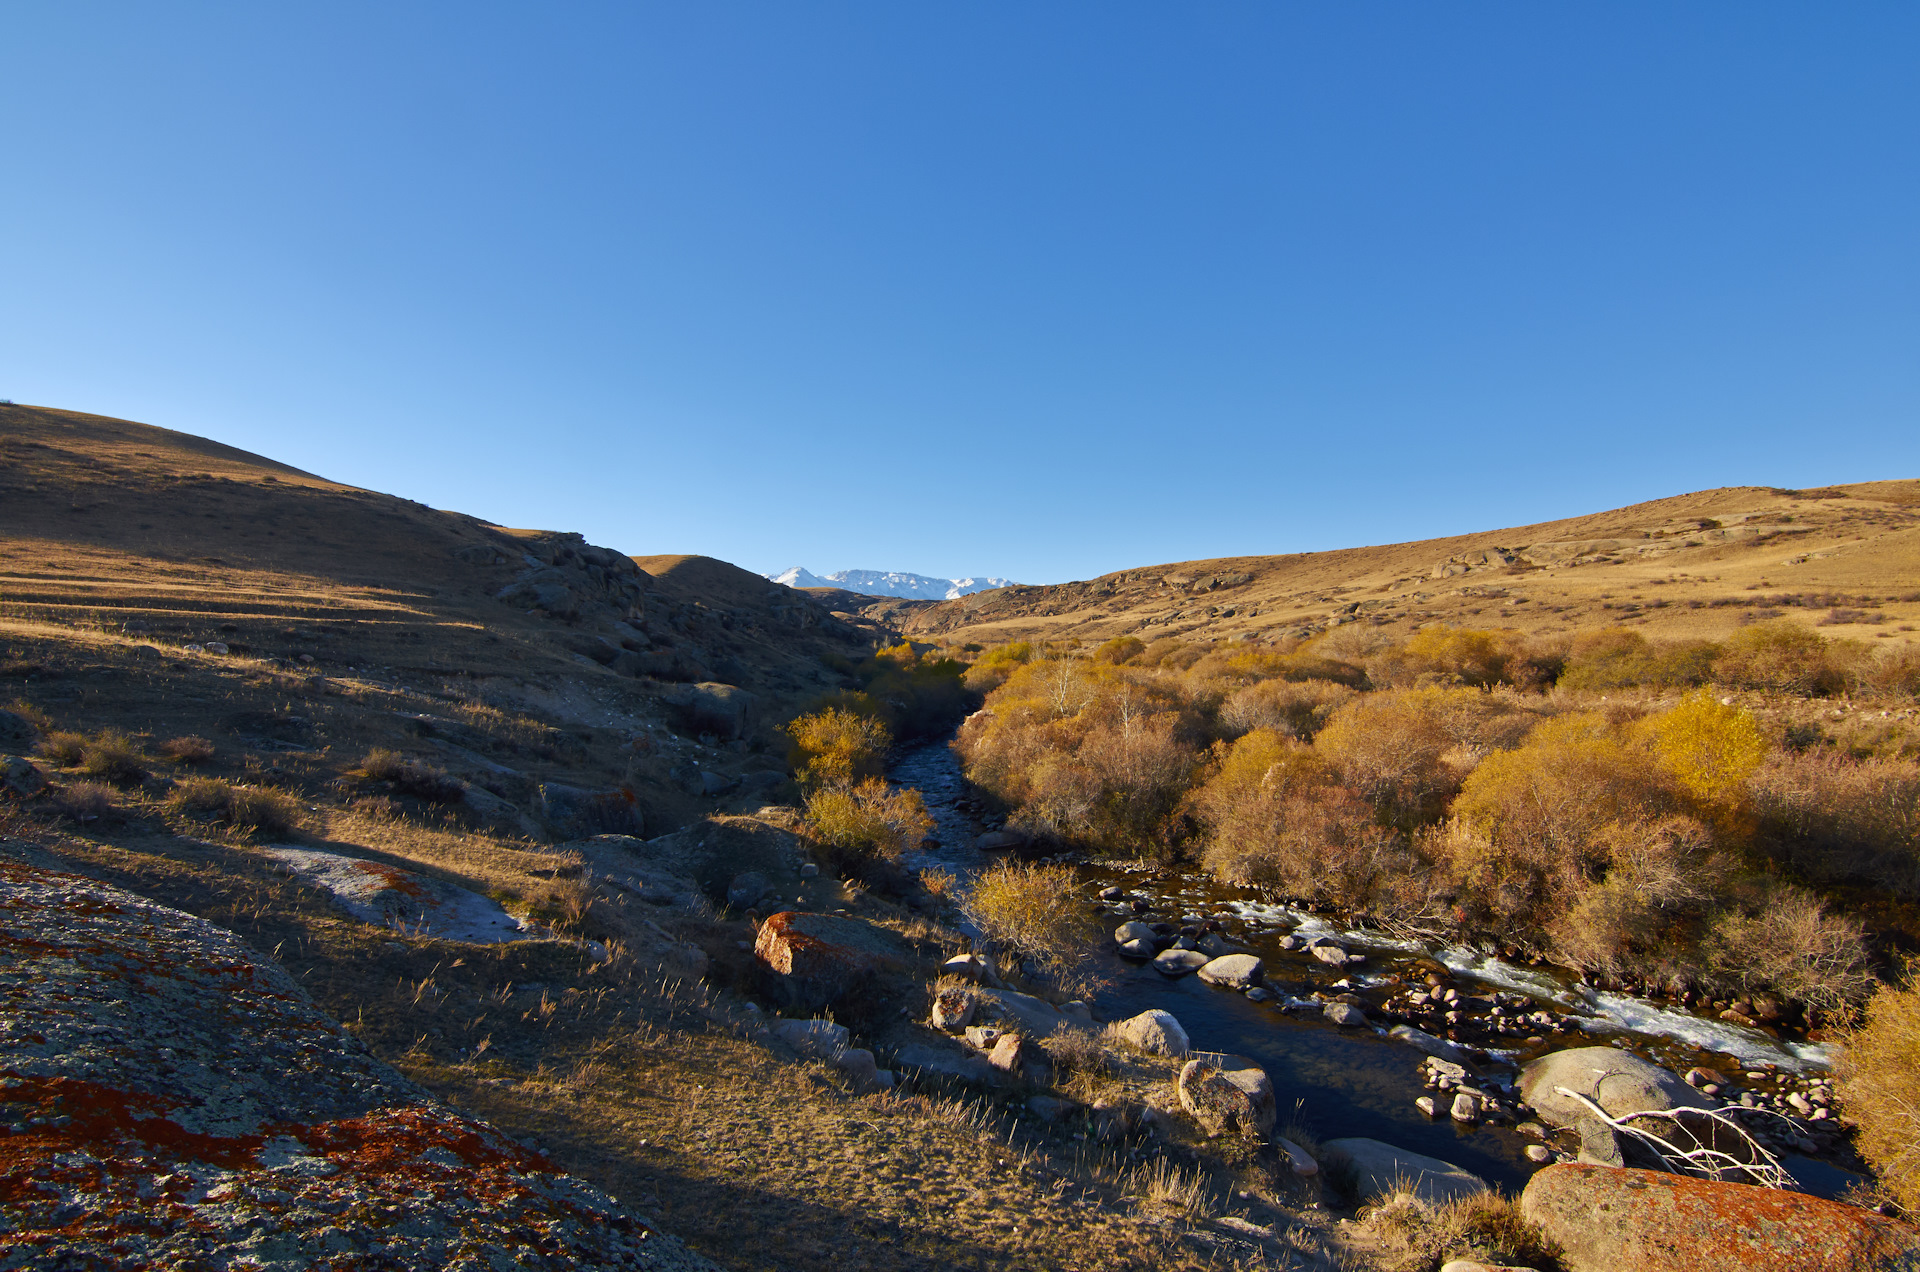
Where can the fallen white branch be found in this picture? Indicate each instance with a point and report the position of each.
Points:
(1705, 1161)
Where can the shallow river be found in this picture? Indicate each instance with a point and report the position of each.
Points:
(1352, 1081)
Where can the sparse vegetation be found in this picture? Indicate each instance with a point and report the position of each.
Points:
(410, 777)
(250, 810)
(859, 827)
(187, 750)
(1031, 909)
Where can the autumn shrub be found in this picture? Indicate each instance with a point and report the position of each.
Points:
(1298, 709)
(187, 750)
(1895, 673)
(1531, 819)
(258, 810)
(1619, 658)
(1878, 1082)
(1650, 884)
(411, 777)
(201, 795)
(837, 748)
(1033, 909)
(1782, 938)
(1836, 819)
(112, 756)
(1779, 656)
(857, 826)
(990, 670)
(1120, 649)
(1407, 750)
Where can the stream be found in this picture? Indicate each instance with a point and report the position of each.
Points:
(1356, 1081)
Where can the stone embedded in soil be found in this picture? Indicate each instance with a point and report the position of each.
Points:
(977, 968)
(181, 1102)
(1651, 1221)
(1020, 1058)
(375, 892)
(952, 1009)
(20, 777)
(1234, 971)
(1298, 1159)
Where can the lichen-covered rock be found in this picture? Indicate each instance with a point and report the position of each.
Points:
(815, 960)
(376, 892)
(1227, 1093)
(1616, 1080)
(1609, 1218)
(169, 1098)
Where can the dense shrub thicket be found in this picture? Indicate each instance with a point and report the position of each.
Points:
(1599, 801)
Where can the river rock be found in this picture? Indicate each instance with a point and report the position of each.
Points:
(1000, 841)
(1616, 1080)
(811, 961)
(1424, 1041)
(1466, 1108)
(1234, 971)
(1381, 1168)
(1133, 930)
(1037, 1017)
(1539, 1153)
(1155, 1032)
(1650, 1221)
(1227, 1093)
(1298, 1159)
(1330, 954)
(1426, 1105)
(1345, 1015)
(1178, 962)
(1140, 951)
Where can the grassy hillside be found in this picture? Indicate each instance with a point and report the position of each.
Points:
(1695, 565)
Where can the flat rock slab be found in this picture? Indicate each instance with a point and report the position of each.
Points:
(391, 897)
(1178, 962)
(187, 1105)
(1611, 1218)
(1036, 1017)
(1381, 1168)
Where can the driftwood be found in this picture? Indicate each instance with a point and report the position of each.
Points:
(1705, 1161)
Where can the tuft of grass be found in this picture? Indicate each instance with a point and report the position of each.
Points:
(251, 810)
(1407, 1235)
(187, 750)
(86, 802)
(1165, 1183)
(112, 756)
(411, 777)
(31, 714)
(64, 747)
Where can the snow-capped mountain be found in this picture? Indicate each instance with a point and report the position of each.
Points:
(915, 587)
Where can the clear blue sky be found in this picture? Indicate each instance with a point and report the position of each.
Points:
(1030, 289)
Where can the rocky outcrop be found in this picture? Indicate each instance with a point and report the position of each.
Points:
(1608, 1218)
(1371, 1169)
(812, 961)
(573, 813)
(727, 712)
(173, 1099)
(378, 893)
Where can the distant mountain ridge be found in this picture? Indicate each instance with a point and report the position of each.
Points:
(913, 587)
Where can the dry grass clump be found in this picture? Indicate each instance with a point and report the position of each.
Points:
(1878, 1081)
(940, 884)
(1032, 909)
(86, 802)
(1407, 1235)
(187, 750)
(411, 777)
(251, 810)
(1164, 1182)
(63, 747)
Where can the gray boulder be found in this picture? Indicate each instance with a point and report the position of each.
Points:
(1140, 950)
(16, 731)
(1345, 1015)
(1034, 1016)
(1000, 841)
(1178, 962)
(1227, 1093)
(725, 711)
(573, 813)
(1424, 1041)
(1133, 931)
(20, 777)
(944, 1062)
(1234, 971)
(1376, 1169)
(1618, 1081)
(1155, 1032)
(746, 889)
(977, 968)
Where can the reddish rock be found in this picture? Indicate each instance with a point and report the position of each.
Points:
(1019, 1058)
(1609, 1218)
(170, 1098)
(815, 960)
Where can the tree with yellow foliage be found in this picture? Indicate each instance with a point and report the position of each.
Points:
(1710, 748)
(837, 748)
